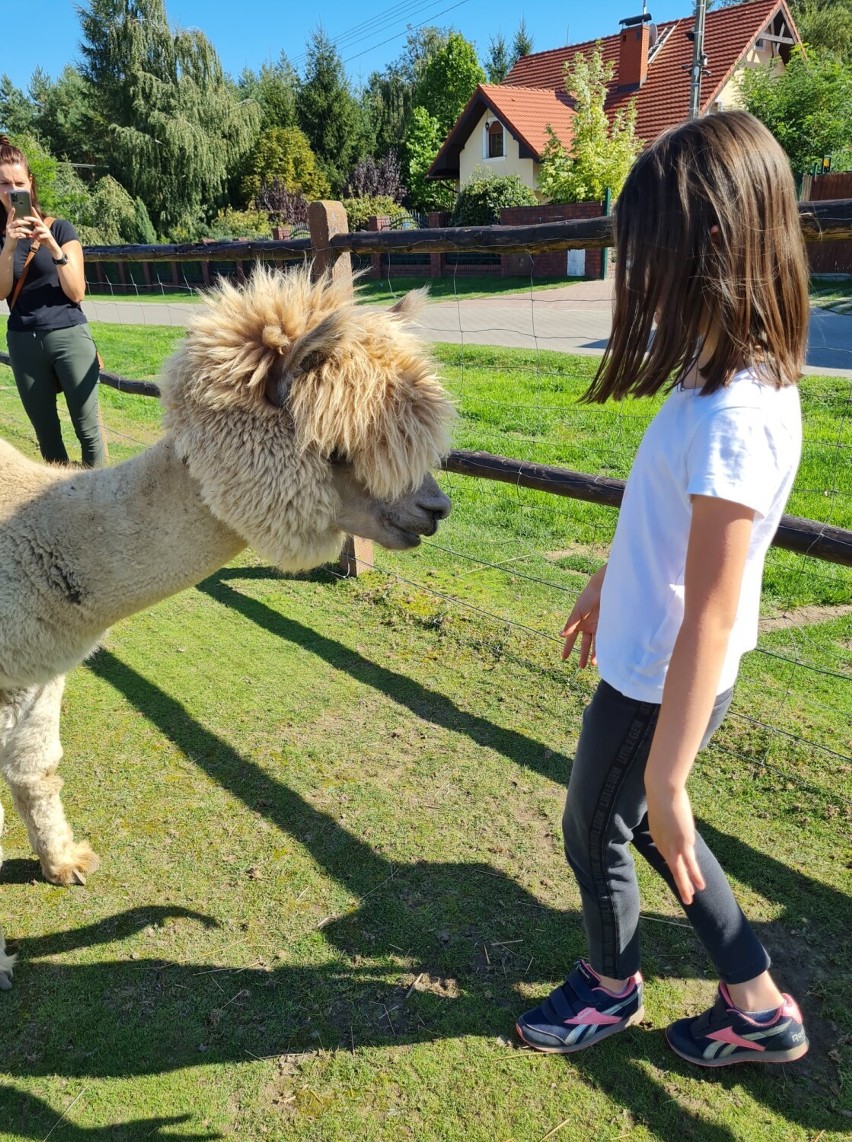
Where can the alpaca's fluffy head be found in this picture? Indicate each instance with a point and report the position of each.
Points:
(283, 377)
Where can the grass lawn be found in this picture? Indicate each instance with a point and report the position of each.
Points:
(832, 293)
(321, 906)
(384, 289)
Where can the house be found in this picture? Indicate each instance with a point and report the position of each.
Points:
(504, 128)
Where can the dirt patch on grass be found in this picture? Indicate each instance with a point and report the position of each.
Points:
(804, 616)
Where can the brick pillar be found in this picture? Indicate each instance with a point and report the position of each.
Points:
(436, 219)
(375, 225)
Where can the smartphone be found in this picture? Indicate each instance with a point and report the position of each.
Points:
(22, 203)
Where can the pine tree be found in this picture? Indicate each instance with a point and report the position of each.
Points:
(274, 87)
(172, 125)
(17, 112)
(497, 61)
(329, 113)
(522, 44)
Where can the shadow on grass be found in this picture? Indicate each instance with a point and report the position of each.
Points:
(31, 1117)
(467, 934)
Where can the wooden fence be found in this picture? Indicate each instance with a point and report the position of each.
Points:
(329, 247)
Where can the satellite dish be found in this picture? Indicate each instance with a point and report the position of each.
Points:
(653, 34)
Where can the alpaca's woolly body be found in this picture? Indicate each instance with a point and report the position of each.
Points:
(289, 414)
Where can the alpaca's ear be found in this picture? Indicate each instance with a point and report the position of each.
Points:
(410, 304)
(306, 353)
(318, 344)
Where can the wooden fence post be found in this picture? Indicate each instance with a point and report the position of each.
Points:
(326, 219)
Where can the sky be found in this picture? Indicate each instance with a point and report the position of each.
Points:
(248, 33)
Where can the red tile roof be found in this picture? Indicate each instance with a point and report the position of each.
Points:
(663, 100)
(533, 93)
(525, 111)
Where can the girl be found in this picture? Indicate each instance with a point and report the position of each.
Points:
(711, 253)
(49, 340)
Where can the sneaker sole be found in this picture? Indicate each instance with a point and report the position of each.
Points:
(757, 1057)
(569, 1049)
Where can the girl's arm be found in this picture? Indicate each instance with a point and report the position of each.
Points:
(16, 229)
(72, 279)
(719, 537)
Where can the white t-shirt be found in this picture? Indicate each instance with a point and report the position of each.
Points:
(741, 443)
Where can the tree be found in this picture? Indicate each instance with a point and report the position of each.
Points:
(421, 145)
(388, 98)
(285, 154)
(601, 153)
(171, 125)
(274, 89)
(522, 44)
(448, 81)
(64, 118)
(827, 26)
(17, 112)
(497, 62)
(328, 112)
(806, 107)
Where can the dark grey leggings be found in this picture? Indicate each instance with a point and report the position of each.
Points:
(67, 357)
(605, 812)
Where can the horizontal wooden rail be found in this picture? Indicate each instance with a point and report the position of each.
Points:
(826, 221)
(806, 536)
(225, 251)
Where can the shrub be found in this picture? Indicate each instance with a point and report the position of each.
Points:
(284, 154)
(230, 223)
(370, 179)
(284, 206)
(358, 210)
(482, 198)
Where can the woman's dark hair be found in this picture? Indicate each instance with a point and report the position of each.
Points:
(707, 239)
(12, 156)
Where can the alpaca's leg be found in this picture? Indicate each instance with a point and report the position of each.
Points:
(31, 754)
(7, 964)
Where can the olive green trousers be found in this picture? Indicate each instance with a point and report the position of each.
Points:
(44, 361)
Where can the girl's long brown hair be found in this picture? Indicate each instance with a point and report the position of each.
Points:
(707, 239)
(12, 156)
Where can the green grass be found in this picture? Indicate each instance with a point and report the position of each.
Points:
(156, 295)
(385, 289)
(832, 293)
(463, 286)
(328, 814)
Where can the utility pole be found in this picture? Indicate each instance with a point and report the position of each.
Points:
(699, 60)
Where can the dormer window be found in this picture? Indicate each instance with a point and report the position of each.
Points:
(494, 140)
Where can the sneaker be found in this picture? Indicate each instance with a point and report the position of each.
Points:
(581, 1012)
(724, 1035)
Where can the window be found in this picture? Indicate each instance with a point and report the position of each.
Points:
(494, 148)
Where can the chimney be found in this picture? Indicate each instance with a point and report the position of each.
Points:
(633, 52)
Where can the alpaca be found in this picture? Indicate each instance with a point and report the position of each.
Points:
(291, 417)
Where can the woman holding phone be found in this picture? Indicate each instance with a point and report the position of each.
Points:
(50, 345)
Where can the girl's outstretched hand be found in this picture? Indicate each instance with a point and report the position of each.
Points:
(583, 620)
(672, 829)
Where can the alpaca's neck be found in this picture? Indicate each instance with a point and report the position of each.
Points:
(144, 532)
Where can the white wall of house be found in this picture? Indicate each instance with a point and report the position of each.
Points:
(730, 97)
(475, 151)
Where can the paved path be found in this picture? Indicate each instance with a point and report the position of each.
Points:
(571, 319)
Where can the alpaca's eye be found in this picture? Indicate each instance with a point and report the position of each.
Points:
(336, 457)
